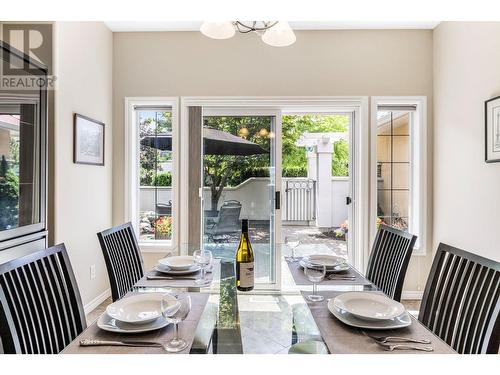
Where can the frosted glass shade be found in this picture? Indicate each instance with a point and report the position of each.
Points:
(218, 29)
(280, 35)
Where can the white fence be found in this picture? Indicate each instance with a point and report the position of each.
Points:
(299, 199)
(255, 197)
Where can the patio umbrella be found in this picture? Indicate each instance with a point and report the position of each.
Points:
(216, 142)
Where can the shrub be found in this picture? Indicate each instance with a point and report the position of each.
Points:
(163, 227)
(294, 171)
(162, 179)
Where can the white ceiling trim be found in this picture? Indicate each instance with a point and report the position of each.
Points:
(131, 26)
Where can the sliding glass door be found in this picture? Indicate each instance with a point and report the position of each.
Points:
(240, 174)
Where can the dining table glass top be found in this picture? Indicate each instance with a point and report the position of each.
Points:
(265, 321)
(258, 322)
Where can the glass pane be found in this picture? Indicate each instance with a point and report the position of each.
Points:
(400, 203)
(401, 123)
(400, 176)
(19, 179)
(155, 174)
(384, 178)
(401, 148)
(384, 148)
(238, 180)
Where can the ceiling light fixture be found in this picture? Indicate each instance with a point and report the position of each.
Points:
(274, 33)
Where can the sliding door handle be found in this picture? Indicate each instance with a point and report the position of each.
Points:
(277, 200)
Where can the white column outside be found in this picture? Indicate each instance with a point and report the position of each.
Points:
(324, 214)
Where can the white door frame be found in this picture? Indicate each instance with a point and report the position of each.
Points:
(358, 106)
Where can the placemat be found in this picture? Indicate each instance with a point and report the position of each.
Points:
(343, 339)
(176, 282)
(300, 279)
(187, 330)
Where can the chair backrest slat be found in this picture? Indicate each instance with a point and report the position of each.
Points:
(123, 258)
(389, 260)
(462, 300)
(40, 306)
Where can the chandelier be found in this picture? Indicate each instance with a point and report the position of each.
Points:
(274, 33)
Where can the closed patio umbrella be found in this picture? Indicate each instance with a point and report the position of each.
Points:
(216, 142)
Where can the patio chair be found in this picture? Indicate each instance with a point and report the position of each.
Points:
(227, 222)
(461, 302)
(164, 209)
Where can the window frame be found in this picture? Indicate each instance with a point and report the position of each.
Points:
(419, 201)
(131, 175)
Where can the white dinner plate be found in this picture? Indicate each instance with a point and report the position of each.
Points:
(140, 308)
(178, 263)
(167, 270)
(329, 261)
(107, 323)
(369, 306)
(401, 321)
(342, 267)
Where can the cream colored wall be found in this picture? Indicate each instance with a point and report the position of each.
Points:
(82, 193)
(466, 189)
(340, 62)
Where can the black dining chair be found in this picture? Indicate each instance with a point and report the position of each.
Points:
(123, 258)
(389, 258)
(41, 311)
(461, 301)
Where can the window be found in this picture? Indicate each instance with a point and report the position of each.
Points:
(399, 169)
(155, 174)
(151, 172)
(393, 168)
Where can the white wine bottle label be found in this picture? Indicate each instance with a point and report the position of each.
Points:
(246, 275)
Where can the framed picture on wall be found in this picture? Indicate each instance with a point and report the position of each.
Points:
(88, 140)
(492, 119)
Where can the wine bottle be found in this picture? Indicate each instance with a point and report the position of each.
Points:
(244, 261)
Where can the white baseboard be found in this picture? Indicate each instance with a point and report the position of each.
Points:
(96, 301)
(412, 294)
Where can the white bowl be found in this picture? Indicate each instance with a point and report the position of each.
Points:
(140, 308)
(369, 306)
(178, 263)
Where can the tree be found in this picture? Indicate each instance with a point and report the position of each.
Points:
(296, 125)
(152, 123)
(221, 171)
(9, 196)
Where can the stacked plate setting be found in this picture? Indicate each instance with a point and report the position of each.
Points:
(333, 263)
(369, 310)
(142, 312)
(177, 265)
(137, 313)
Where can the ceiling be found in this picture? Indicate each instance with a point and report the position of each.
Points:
(129, 26)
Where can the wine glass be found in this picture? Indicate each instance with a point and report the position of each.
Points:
(203, 258)
(315, 273)
(176, 316)
(292, 241)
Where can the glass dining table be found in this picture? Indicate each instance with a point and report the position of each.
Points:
(270, 321)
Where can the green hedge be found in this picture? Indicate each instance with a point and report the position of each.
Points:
(162, 179)
(295, 171)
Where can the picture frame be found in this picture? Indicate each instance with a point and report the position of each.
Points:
(492, 130)
(88, 140)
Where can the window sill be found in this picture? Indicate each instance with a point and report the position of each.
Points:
(159, 248)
